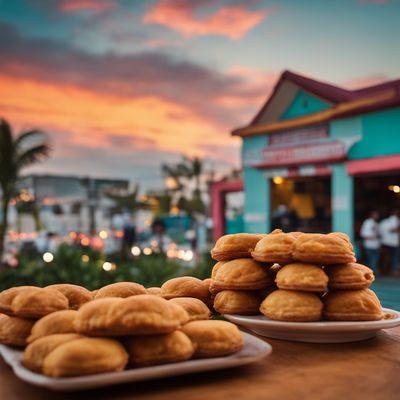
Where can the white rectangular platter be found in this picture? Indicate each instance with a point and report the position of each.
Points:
(254, 349)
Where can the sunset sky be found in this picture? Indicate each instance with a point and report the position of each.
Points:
(121, 86)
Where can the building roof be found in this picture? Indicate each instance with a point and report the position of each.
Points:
(344, 103)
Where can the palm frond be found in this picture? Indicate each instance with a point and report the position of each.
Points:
(34, 154)
(8, 173)
(33, 134)
(5, 131)
(6, 143)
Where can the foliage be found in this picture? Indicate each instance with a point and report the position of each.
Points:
(68, 267)
(126, 200)
(28, 207)
(16, 153)
(163, 202)
(182, 174)
(203, 268)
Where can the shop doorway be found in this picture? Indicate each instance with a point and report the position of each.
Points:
(301, 204)
(380, 192)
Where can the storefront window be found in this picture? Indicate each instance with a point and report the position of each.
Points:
(301, 204)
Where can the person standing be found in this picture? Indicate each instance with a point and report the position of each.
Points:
(371, 243)
(389, 229)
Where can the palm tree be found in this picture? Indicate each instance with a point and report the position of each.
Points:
(194, 169)
(187, 170)
(127, 200)
(16, 153)
(174, 175)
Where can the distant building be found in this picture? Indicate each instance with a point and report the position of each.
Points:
(69, 203)
(317, 157)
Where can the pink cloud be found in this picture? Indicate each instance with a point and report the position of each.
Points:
(232, 21)
(365, 81)
(256, 85)
(94, 6)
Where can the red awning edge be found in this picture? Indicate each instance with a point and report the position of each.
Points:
(373, 165)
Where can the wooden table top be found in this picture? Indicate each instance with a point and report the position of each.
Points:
(361, 370)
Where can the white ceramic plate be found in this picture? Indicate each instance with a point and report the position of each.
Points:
(316, 332)
(254, 349)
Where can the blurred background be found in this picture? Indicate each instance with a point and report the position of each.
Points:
(135, 133)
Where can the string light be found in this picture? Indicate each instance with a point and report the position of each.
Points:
(147, 251)
(107, 266)
(135, 250)
(103, 234)
(278, 180)
(48, 257)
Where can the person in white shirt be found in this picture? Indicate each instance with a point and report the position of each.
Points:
(389, 230)
(371, 243)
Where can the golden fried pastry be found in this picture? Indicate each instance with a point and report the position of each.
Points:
(38, 302)
(76, 295)
(241, 274)
(56, 322)
(216, 267)
(14, 331)
(275, 248)
(342, 236)
(214, 338)
(93, 318)
(238, 245)
(296, 234)
(185, 286)
(136, 315)
(352, 305)
(323, 249)
(154, 290)
(207, 282)
(85, 356)
(7, 296)
(195, 308)
(120, 289)
(159, 349)
(290, 305)
(36, 352)
(213, 290)
(349, 276)
(237, 302)
(302, 276)
(94, 292)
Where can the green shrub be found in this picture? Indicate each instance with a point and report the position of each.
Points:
(203, 268)
(68, 266)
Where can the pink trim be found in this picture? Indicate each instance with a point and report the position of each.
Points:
(218, 192)
(373, 165)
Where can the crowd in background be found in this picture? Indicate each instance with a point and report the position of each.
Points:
(381, 239)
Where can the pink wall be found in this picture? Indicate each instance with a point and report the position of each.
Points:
(218, 192)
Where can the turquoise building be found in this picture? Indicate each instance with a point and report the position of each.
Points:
(317, 157)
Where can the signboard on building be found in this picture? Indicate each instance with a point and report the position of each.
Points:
(300, 135)
(310, 153)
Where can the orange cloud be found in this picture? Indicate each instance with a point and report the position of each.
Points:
(94, 6)
(93, 119)
(232, 21)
